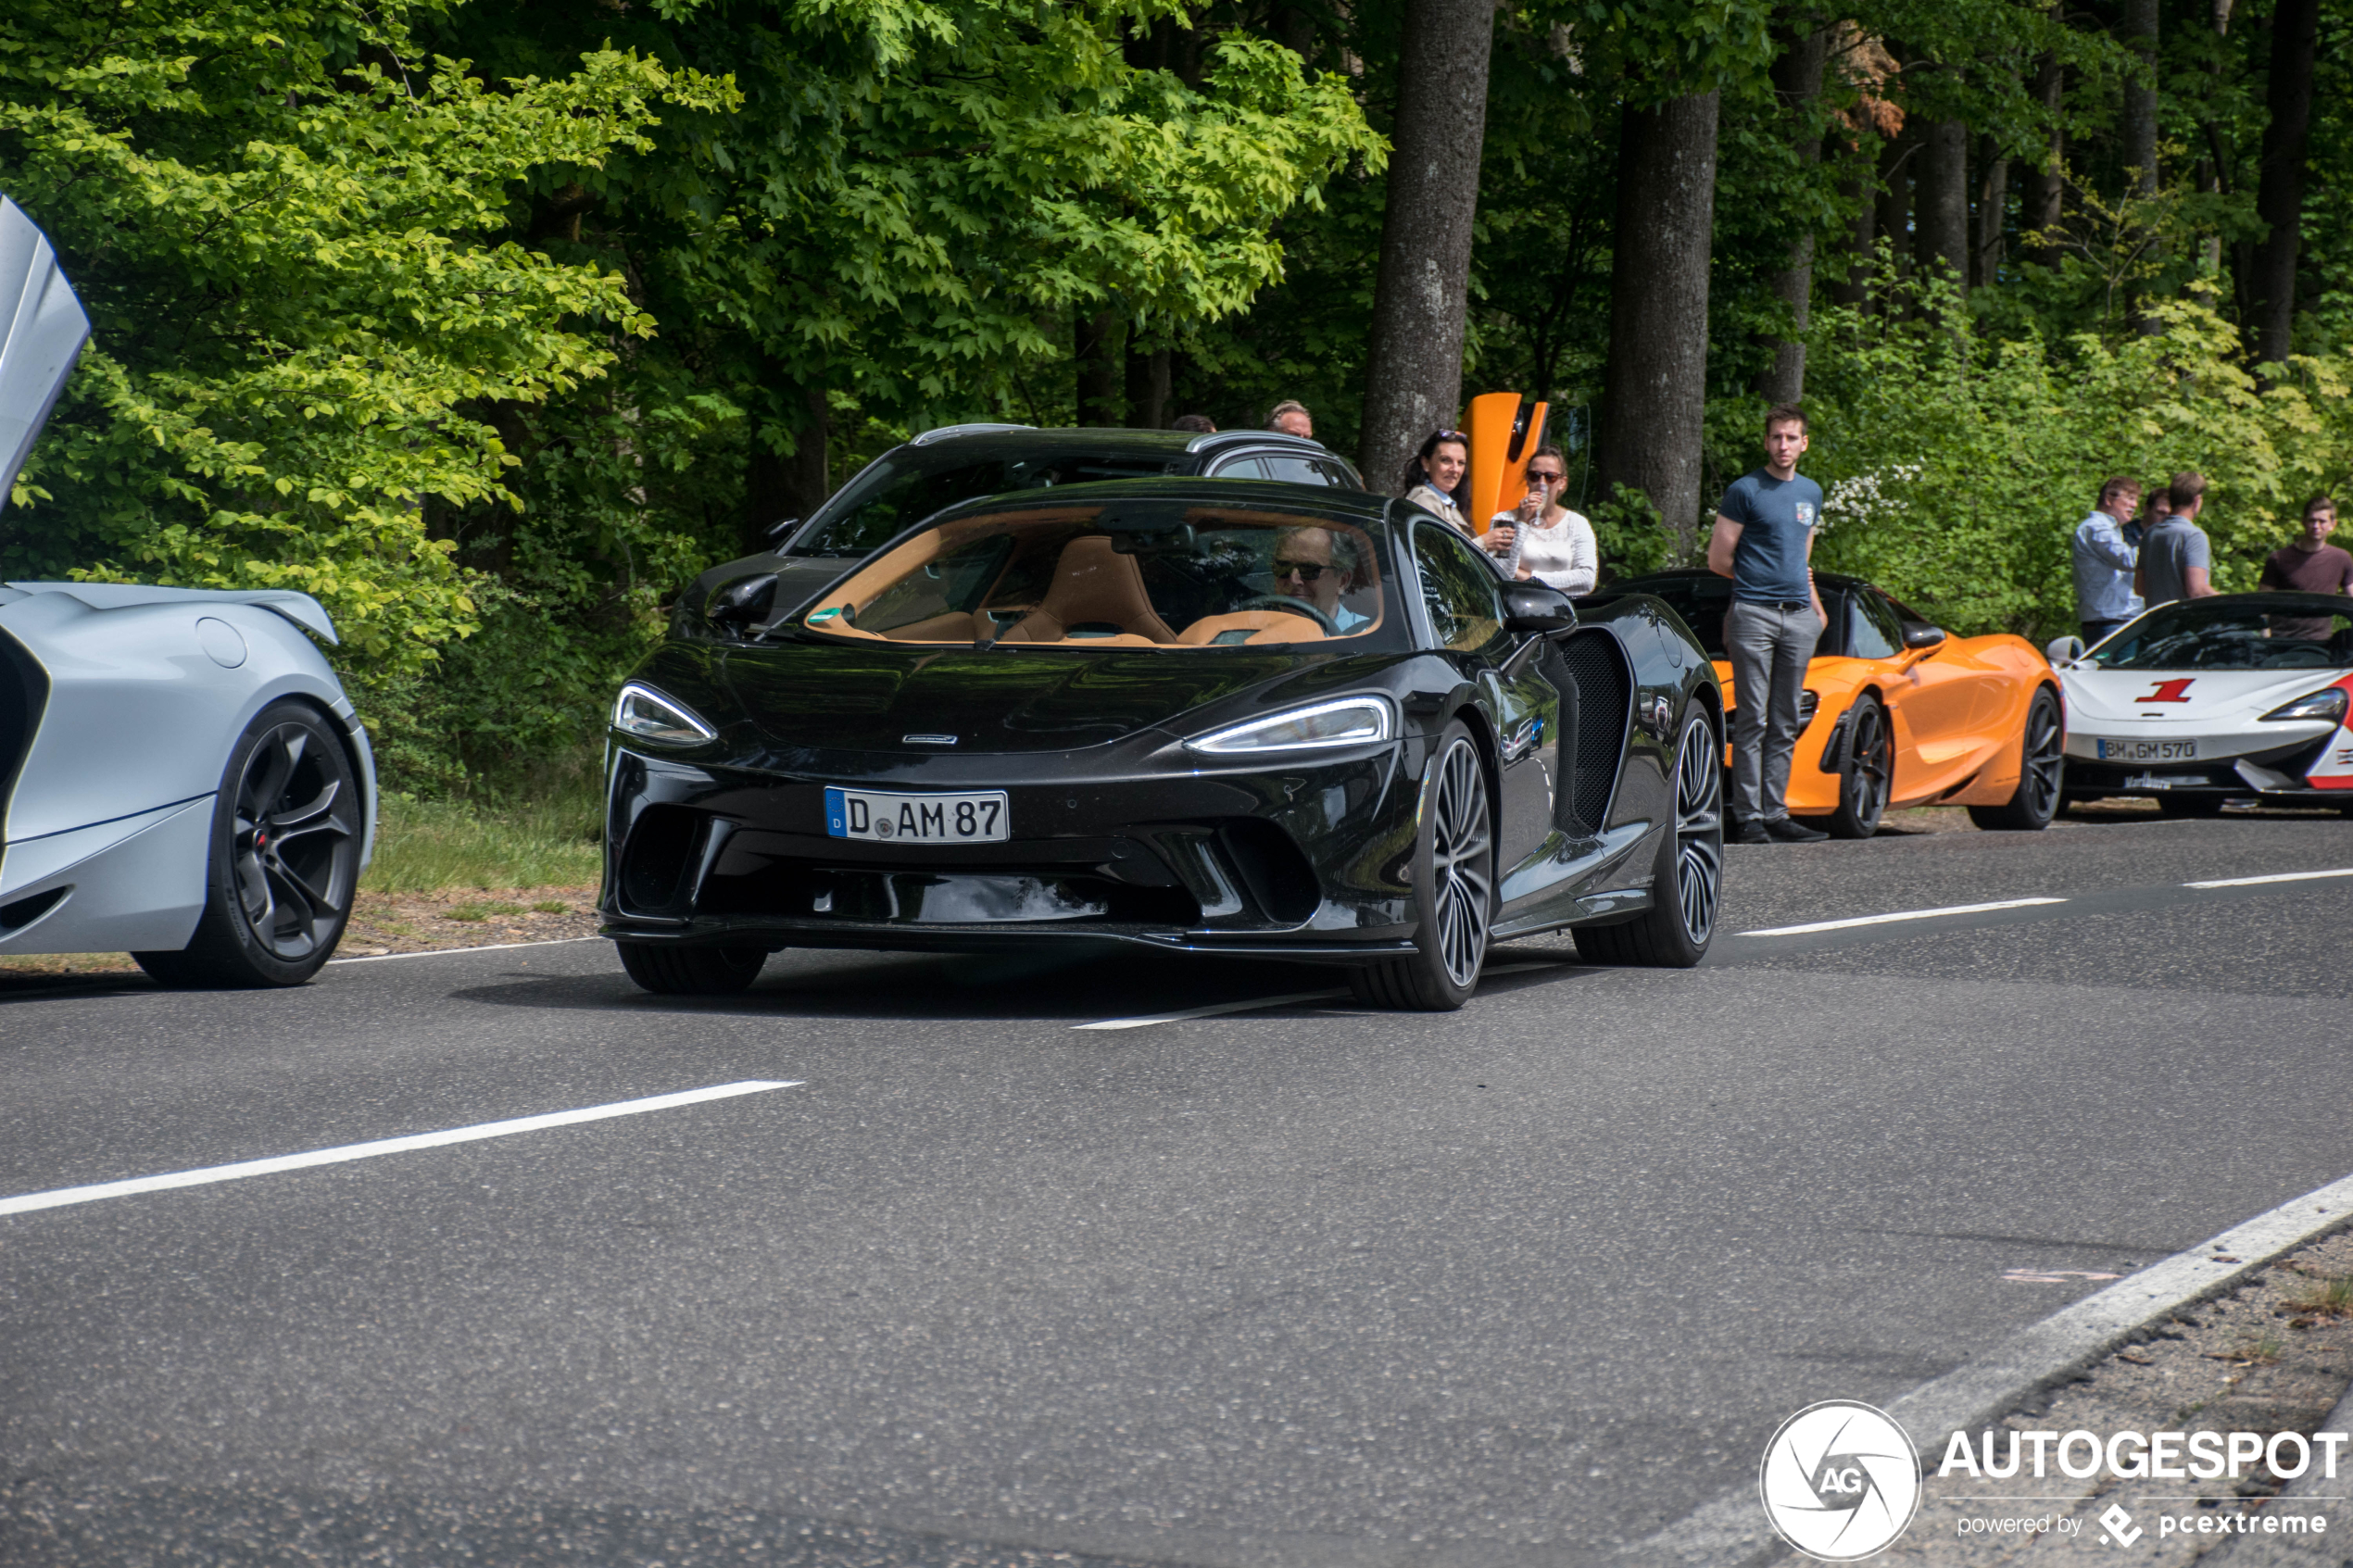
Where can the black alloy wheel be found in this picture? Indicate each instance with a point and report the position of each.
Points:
(284, 858)
(1675, 931)
(1453, 879)
(691, 972)
(1871, 772)
(2042, 768)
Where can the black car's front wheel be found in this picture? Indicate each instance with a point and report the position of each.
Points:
(286, 831)
(1454, 888)
(1687, 882)
(691, 972)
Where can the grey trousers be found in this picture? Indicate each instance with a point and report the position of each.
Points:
(1771, 648)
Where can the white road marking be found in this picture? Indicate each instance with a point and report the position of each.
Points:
(2282, 876)
(60, 1197)
(1908, 914)
(444, 952)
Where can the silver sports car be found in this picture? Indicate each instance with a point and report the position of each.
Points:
(180, 775)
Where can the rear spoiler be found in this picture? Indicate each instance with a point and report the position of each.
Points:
(301, 608)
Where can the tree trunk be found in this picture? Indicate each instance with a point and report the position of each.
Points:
(1895, 163)
(784, 484)
(2045, 196)
(2279, 199)
(1797, 81)
(1655, 387)
(1851, 285)
(1414, 365)
(1943, 231)
(2140, 96)
(1147, 388)
(1102, 368)
(1992, 213)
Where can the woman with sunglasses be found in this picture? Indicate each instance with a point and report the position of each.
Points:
(1555, 545)
(1434, 475)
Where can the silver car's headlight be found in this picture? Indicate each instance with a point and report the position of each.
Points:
(2328, 703)
(644, 713)
(1350, 721)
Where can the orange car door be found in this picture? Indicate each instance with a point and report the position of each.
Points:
(1929, 698)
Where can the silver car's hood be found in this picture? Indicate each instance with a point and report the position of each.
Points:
(46, 331)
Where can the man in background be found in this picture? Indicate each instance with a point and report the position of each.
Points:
(1292, 419)
(1764, 542)
(2177, 561)
(2105, 559)
(1197, 423)
(2309, 564)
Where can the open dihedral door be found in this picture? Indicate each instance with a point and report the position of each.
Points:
(45, 329)
(1504, 430)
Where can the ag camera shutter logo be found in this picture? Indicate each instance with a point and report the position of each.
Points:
(1840, 1481)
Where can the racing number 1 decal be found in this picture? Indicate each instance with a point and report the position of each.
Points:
(2168, 691)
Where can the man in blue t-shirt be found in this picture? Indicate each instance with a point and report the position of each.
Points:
(1764, 542)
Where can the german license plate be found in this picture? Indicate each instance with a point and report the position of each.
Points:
(972, 817)
(2148, 750)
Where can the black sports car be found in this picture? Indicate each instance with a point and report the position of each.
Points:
(941, 467)
(1204, 716)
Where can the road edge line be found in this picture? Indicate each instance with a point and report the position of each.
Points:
(1731, 1531)
(447, 952)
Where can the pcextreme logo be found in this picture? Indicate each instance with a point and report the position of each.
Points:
(1840, 1481)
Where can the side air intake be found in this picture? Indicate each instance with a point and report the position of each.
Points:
(1601, 689)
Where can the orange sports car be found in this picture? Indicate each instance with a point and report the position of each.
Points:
(1897, 714)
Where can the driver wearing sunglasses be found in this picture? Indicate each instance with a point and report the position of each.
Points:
(1306, 570)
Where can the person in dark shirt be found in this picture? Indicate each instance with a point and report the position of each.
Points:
(1764, 542)
(2309, 565)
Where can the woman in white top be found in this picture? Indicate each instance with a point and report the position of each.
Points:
(1434, 475)
(1556, 545)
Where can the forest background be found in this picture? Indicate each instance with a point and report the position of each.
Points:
(490, 322)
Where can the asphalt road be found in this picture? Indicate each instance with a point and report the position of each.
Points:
(1301, 1286)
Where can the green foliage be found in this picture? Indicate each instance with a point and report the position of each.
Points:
(286, 235)
(1629, 533)
(1956, 465)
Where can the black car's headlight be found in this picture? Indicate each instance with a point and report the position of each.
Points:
(644, 713)
(2327, 704)
(1350, 720)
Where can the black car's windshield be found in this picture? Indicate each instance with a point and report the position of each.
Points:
(898, 490)
(2258, 632)
(1124, 574)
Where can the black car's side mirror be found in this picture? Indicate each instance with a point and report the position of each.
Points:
(779, 532)
(745, 602)
(1918, 634)
(1533, 607)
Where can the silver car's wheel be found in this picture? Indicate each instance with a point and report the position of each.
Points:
(284, 860)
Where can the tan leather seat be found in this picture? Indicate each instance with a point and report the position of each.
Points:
(1092, 584)
(1255, 626)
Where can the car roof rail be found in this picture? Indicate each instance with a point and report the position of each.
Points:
(1255, 437)
(944, 431)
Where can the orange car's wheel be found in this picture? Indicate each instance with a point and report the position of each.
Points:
(2042, 762)
(1871, 770)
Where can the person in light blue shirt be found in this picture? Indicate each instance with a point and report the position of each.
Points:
(1764, 542)
(2105, 559)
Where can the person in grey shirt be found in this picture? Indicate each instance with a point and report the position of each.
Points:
(2104, 556)
(1764, 542)
(2177, 559)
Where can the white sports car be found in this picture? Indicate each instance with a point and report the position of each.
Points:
(2205, 700)
(180, 775)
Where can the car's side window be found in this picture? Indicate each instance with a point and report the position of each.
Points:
(1872, 626)
(1336, 476)
(1240, 468)
(1460, 591)
(1295, 471)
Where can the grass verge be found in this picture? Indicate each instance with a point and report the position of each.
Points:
(547, 839)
